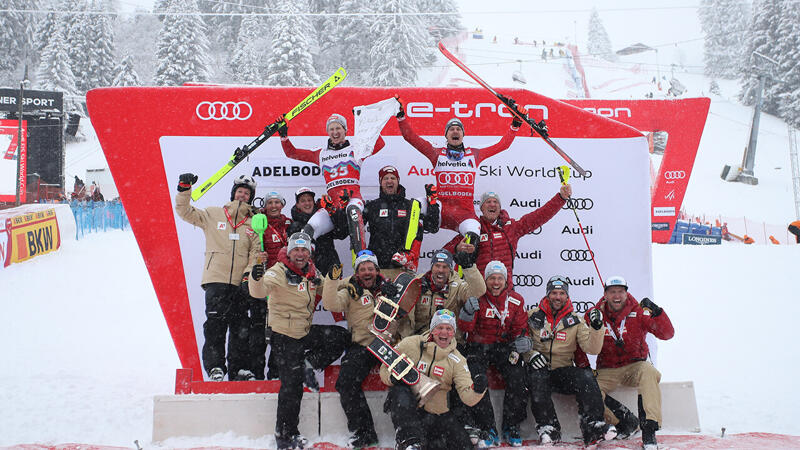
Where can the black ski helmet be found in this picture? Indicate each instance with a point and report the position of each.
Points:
(244, 181)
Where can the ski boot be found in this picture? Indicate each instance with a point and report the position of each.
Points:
(297, 441)
(216, 374)
(511, 436)
(363, 439)
(597, 431)
(310, 377)
(489, 439)
(548, 434)
(649, 428)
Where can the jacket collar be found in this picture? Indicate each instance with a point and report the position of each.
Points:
(544, 305)
(616, 317)
(433, 350)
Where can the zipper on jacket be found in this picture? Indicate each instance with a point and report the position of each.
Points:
(233, 250)
(430, 366)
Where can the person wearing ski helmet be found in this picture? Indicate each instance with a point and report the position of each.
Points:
(356, 296)
(230, 246)
(433, 426)
(561, 340)
(456, 168)
(341, 169)
(623, 358)
(325, 255)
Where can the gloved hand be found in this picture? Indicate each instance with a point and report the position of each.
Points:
(463, 259)
(471, 306)
(432, 193)
(283, 130)
(355, 289)
(536, 320)
(403, 258)
(185, 181)
(336, 272)
(523, 344)
(538, 361)
(326, 202)
(388, 289)
(517, 122)
(655, 310)
(346, 195)
(479, 383)
(257, 272)
(402, 113)
(596, 318)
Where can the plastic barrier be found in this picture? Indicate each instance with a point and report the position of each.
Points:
(93, 217)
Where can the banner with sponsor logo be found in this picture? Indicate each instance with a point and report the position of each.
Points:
(681, 122)
(32, 234)
(612, 200)
(9, 145)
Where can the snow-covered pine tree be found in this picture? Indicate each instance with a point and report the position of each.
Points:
(125, 74)
(100, 49)
(182, 47)
(226, 24)
(789, 64)
(248, 64)
(55, 72)
(290, 63)
(724, 24)
(598, 42)
(325, 52)
(79, 40)
(761, 37)
(400, 45)
(45, 26)
(446, 21)
(354, 39)
(15, 39)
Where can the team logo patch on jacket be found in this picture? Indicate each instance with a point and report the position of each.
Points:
(422, 366)
(438, 370)
(425, 300)
(484, 237)
(632, 314)
(276, 238)
(401, 213)
(383, 213)
(490, 313)
(513, 300)
(301, 287)
(222, 225)
(365, 300)
(561, 336)
(438, 301)
(497, 235)
(454, 358)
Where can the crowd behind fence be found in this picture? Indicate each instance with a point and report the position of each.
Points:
(93, 217)
(734, 229)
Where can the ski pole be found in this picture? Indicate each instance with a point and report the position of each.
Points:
(563, 174)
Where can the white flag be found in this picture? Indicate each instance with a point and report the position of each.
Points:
(369, 121)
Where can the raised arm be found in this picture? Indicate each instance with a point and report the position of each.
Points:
(486, 153)
(187, 212)
(310, 156)
(535, 219)
(422, 146)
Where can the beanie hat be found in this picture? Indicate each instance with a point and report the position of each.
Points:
(443, 316)
(616, 280)
(495, 267)
(301, 191)
(453, 122)
(275, 195)
(386, 170)
(557, 282)
(364, 256)
(490, 194)
(336, 118)
(442, 256)
(299, 239)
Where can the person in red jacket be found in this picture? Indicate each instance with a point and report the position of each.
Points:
(623, 359)
(455, 167)
(496, 326)
(500, 234)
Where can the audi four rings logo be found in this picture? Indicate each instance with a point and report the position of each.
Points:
(456, 178)
(674, 175)
(527, 280)
(579, 203)
(576, 255)
(224, 110)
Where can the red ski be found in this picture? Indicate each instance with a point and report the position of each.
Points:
(540, 128)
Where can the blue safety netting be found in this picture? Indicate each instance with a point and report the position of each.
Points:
(94, 217)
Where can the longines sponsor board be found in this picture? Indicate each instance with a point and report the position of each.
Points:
(616, 156)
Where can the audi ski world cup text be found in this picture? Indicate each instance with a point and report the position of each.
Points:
(502, 171)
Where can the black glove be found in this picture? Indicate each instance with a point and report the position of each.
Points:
(537, 361)
(283, 130)
(463, 259)
(356, 288)
(257, 272)
(185, 181)
(536, 320)
(336, 272)
(596, 318)
(388, 289)
(523, 344)
(345, 196)
(480, 383)
(402, 113)
(655, 310)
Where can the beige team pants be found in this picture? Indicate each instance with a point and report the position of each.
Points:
(641, 375)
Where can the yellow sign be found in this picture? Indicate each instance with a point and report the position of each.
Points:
(33, 234)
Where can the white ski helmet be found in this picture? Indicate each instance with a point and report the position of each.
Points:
(616, 280)
(246, 181)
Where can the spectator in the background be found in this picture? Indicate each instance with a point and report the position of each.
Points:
(794, 228)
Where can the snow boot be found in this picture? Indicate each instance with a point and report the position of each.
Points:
(628, 423)
(474, 434)
(410, 444)
(548, 434)
(297, 441)
(216, 374)
(489, 439)
(245, 375)
(597, 431)
(649, 428)
(310, 379)
(511, 436)
(364, 439)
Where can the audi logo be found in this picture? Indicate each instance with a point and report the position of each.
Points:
(223, 110)
(674, 175)
(527, 280)
(456, 178)
(576, 255)
(578, 203)
(582, 307)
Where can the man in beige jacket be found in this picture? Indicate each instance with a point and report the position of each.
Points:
(230, 243)
(434, 354)
(558, 333)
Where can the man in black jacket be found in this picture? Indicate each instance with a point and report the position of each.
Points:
(325, 255)
(387, 218)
